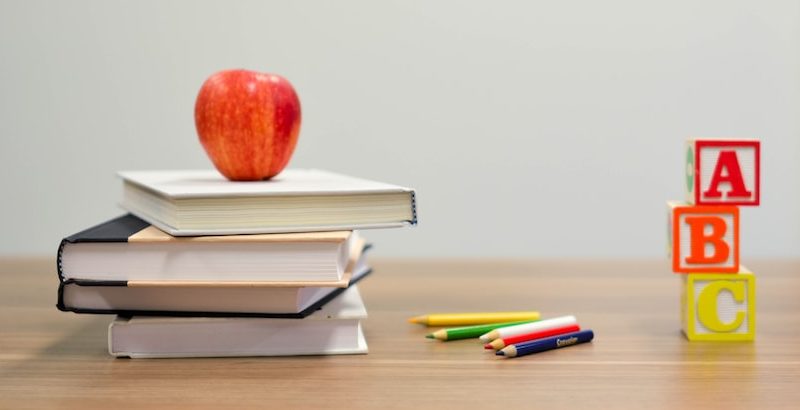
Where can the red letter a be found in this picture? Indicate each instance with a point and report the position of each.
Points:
(727, 161)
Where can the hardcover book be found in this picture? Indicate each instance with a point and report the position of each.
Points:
(335, 329)
(129, 249)
(189, 203)
(225, 300)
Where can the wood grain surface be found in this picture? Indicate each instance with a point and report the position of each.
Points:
(639, 359)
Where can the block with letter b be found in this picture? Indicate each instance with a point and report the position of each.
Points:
(719, 307)
(704, 238)
(723, 172)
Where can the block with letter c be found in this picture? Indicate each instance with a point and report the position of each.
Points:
(719, 307)
(704, 238)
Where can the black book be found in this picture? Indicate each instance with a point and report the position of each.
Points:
(126, 266)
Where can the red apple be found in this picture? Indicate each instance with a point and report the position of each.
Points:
(248, 123)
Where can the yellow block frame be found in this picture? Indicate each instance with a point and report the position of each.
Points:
(689, 310)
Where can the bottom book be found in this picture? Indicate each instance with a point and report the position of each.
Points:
(334, 329)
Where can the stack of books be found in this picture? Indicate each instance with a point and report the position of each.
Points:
(202, 266)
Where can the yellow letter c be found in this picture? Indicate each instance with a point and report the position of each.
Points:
(707, 305)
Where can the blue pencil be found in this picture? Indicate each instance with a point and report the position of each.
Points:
(550, 343)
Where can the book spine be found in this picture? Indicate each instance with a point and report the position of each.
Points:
(60, 300)
(63, 283)
(59, 266)
(413, 207)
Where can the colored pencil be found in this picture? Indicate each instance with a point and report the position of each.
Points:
(528, 328)
(550, 343)
(498, 344)
(469, 332)
(465, 319)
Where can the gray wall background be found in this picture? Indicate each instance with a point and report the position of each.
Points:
(529, 128)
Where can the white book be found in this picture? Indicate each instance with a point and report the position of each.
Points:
(128, 249)
(334, 329)
(203, 202)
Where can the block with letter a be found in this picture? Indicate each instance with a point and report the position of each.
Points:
(719, 307)
(723, 172)
(704, 238)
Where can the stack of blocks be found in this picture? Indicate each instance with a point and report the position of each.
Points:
(718, 295)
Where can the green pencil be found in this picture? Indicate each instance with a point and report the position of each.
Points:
(470, 332)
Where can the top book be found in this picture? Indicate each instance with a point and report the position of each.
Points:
(203, 202)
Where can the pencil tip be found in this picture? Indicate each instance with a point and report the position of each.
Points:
(500, 353)
(430, 336)
(488, 346)
(420, 320)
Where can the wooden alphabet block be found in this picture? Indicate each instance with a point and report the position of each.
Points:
(703, 238)
(723, 172)
(719, 307)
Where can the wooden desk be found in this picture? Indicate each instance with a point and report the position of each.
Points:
(638, 359)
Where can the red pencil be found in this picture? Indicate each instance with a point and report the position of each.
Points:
(501, 343)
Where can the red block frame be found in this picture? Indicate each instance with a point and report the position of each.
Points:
(699, 144)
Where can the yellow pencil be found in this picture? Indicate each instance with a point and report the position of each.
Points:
(465, 319)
